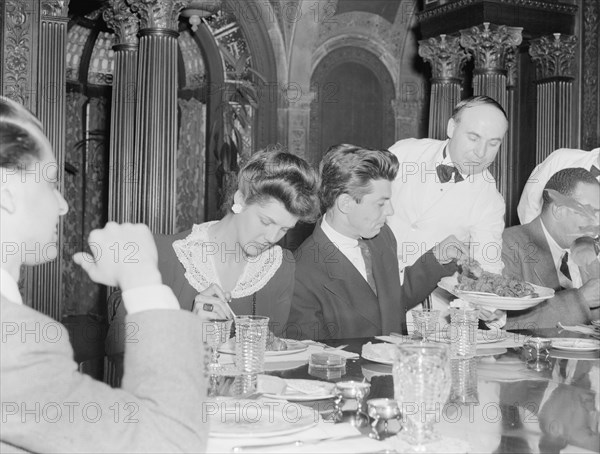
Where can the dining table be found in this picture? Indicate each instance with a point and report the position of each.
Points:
(519, 400)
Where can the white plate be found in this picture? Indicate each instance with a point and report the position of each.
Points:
(238, 418)
(379, 353)
(294, 389)
(377, 359)
(573, 344)
(294, 346)
(449, 284)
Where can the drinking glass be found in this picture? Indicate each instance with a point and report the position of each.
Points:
(464, 381)
(216, 332)
(463, 332)
(425, 322)
(421, 386)
(251, 333)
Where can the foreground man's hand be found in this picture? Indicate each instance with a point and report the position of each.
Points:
(122, 255)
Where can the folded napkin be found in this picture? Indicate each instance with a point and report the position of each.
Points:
(589, 330)
(339, 438)
(509, 340)
(292, 360)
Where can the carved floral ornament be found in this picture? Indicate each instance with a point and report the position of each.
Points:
(489, 44)
(158, 14)
(55, 8)
(17, 47)
(553, 55)
(119, 17)
(445, 56)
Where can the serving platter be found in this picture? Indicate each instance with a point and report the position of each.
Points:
(493, 301)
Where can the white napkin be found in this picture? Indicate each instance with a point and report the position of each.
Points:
(511, 340)
(324, 429)
(578, 329)
(292, 360)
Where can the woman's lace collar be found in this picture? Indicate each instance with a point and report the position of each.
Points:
(196, 253)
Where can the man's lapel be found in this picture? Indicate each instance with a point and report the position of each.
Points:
(387, 278)
(544, 267)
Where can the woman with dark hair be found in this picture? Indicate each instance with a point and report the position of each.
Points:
(236, 260)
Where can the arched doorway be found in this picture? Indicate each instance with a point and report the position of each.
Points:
(353, 93)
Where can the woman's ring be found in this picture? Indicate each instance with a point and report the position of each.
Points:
(207, 307)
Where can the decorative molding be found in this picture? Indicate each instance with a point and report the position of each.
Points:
(512, 72)
(590, 66)
(489, 44)
(445, 56)
(119, 17)
(55, 8)
(17, 51)
(539, 4)
(158, 14)
(553, 55)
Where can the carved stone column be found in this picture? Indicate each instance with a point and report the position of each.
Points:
(43, 283)
(447, 59)
(155, 149)
(122, 125)
(491, 45)
(554, 57)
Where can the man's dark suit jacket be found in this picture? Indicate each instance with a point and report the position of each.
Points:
(333, 301)
(526, 256)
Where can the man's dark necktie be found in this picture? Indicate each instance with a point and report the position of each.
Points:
(564, 267)
(445, 173)
(595, 171)
(366, 253)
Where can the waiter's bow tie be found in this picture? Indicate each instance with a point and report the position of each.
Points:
(445, 172)
(595, 171)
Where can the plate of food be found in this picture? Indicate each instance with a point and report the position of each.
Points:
(494, 290)
(275, 348)
(241, 418)
(294, 390)
(574, 344)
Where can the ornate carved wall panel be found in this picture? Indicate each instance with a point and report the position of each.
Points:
(20, 21)
(590, 127)
(73, 193)
(191, 160)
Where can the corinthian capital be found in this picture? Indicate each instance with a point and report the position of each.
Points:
(445, 56)
(489, 45)
(553, 55)
(121, 19)
(158, 14)
(55, 8)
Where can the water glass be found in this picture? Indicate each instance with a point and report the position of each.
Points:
(251, 333)
(463, 332)
(464, 381)
(216, 332)
(425, 322)
(421, 386)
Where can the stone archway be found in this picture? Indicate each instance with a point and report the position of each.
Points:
(353, 102)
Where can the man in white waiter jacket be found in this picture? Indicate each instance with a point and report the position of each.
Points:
(443, 187)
